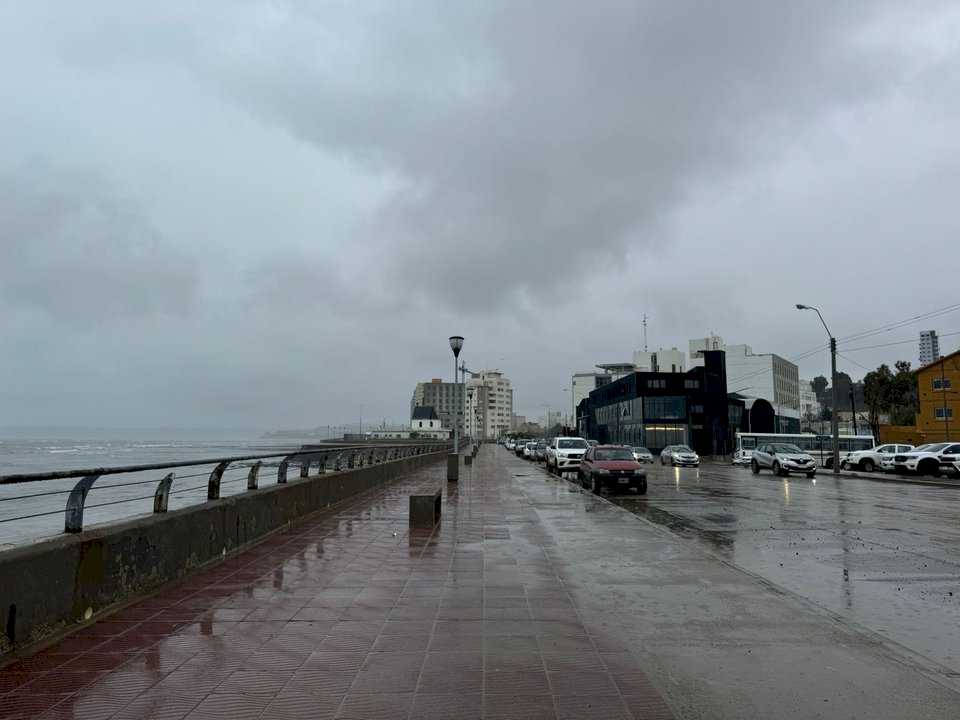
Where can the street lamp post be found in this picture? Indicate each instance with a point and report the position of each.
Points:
(453, 460)
(834, 427)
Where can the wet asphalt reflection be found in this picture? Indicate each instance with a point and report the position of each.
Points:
(882, 556)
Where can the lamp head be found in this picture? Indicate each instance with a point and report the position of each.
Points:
(456, 342)
(802, 307)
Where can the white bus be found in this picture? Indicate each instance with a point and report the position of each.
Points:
(820, 446)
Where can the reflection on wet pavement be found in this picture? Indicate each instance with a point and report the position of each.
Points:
(882, 555)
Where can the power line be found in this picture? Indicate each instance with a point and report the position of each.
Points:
(901, 323)
(898, 342)
(854, 362)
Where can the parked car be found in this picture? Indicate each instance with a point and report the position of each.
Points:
(539, 451)
(521, 445)
(564, 454)
(950, 460)
(642, 455)
(509, 444)
(592, 443)
(872, 459)
(679, 455)
(611, 466)
(782, 459)
(923, 460)
(742, 457)
(529, 450)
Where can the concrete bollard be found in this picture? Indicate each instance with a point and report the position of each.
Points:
(425, 510)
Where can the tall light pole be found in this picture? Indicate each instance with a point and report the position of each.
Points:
(834, 427)
(453, 460)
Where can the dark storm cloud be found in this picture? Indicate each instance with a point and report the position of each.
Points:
(74, 248)
(549, 139)
(271, 212)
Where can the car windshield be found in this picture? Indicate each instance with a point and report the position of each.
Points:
(641, 451)
(785, 448)
(936, 447)
(613, 454)
(572, 443)
(682, 448)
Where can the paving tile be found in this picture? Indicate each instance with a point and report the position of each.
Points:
(516, 682)
(235, 707)
(291, 705)
(157, 706)
(447, 707)
(15, 706)
(527, 707)
(375, 706)
(602, 707)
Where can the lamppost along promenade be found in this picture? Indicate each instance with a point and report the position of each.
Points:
(453, 460)
(834, 427)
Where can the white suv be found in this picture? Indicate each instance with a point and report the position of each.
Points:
(564, 454)
(872, 459)
(923, 460)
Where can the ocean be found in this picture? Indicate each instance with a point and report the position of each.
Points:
(27, 516)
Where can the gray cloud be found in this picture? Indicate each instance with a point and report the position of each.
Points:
(76, 249)
(270, 213)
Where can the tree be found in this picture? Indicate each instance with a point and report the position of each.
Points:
(877, 385)
(820, 388)
(903, 395)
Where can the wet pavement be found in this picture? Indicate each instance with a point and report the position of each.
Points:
(883, 556)
(531, 599)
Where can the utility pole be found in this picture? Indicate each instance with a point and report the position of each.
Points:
(645, 332)
(834, 427)
(943, 391)
(853, 410)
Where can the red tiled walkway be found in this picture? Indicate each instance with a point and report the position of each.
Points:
(350, 616)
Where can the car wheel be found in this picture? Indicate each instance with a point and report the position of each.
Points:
(642, 489)
(595, 482)
(755, 467)
(662, 460)
(812, 475)
(868, 465)
(929, 467)
(776, 469)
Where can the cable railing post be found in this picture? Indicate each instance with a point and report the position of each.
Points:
(305, 468)
(213, 485)
(161, 498)
(253, 477)
(282, 471)
(73, 520)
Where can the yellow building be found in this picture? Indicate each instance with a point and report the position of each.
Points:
(938, 389)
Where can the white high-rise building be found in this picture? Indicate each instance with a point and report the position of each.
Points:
(489, 405)
(929, 347)
(661, 360)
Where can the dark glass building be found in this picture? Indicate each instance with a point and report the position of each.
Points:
(656, 409)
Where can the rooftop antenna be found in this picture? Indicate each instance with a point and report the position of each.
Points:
(645, 332)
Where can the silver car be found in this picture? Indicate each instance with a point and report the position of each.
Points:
(679, 455)
(642, 455)
(783, 459)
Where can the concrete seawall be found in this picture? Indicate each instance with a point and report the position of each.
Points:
(50, 586)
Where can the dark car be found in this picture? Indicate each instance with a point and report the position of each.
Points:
(611, 466)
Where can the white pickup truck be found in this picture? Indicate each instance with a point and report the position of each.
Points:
(564, 454)
(872, 459)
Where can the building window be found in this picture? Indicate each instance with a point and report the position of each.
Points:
(942, 413)
(656, 384)
(941, 384)
(665, 407)
(691, 384)
(421, 423)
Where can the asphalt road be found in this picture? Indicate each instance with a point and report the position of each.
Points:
(883, 557)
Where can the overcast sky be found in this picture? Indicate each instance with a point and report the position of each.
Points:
(271, 213)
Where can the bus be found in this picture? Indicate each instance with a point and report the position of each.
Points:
(820, 446)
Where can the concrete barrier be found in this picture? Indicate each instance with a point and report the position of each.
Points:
(50, 586)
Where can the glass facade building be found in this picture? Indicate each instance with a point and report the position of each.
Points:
(659, 409)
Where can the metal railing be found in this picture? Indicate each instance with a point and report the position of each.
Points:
(323, 459)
